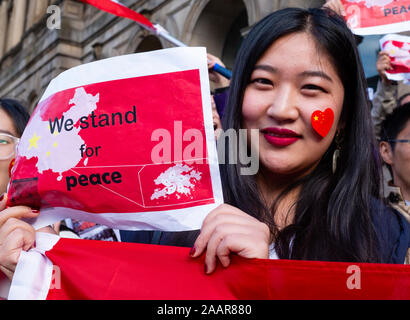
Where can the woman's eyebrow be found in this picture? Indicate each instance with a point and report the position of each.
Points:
(6, 132)
(304, 74)
(320, 74)
(266, 67)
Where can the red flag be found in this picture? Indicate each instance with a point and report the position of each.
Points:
(120, 10)
(398, 49)
(89, 269)
(366, 17)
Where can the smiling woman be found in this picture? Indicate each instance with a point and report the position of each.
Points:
(286, 87)
(13, 119)
(298, 80)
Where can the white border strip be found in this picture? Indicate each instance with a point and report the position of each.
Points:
(130, 66)
(34, 271)
(388, 28)
(394, 37)
(171, 220)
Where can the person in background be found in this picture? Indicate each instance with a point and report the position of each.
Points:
(336, 6)
(216, 119)
(220, 86)
(218, 81)
(13, 120)
(389, 94)
(395, 151)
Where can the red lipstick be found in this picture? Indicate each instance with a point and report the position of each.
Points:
(280, 137)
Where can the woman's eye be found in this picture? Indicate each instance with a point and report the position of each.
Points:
(313, 87)
(3, 141)
(262, 81)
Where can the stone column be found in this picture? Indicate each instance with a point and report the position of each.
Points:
(36, 10)
(16, 24)
(30, 14)
(40, 10)
(3, 26)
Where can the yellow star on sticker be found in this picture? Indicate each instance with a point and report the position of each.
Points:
(33, 141)
(316, 118)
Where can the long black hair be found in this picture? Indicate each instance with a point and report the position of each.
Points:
(17, 113)
(333, 213)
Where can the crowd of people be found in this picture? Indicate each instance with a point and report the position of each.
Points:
(315, 197)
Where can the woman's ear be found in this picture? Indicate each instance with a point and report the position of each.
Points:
(386, 152)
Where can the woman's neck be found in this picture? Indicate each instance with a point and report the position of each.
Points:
(271, 188)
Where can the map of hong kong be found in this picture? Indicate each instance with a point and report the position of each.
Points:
(55, 149)
(176, 180)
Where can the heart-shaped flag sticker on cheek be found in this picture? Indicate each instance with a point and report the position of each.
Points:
(322, 121)
(11, 166)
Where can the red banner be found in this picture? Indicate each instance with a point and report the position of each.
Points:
(135, 132)
(377, 16)
(120, 10)
(88, 269)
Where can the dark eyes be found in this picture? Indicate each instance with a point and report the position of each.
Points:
(313, 87)
(262, 81)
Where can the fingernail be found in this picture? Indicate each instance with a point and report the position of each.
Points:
(35, 211)
(192, 252)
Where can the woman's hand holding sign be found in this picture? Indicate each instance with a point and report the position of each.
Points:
(383, 64)
(336, 6)
(228, 230)
(15, 235)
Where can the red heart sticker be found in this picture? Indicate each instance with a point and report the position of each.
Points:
(11, 166)
(322, 121)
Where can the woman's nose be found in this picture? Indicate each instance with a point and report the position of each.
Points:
(283, 106)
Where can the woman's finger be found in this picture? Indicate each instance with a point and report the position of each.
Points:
(17, 212)
(10, 225)
(16, 241)
(208, 228)
(245, 245)
(219, 234)
(3, 201)
(9, 274)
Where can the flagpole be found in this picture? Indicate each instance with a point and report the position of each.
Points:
(118, 9)
(161, 32)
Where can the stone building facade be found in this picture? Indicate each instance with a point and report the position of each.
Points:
(32, 53)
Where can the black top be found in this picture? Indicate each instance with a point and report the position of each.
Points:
(392, 228)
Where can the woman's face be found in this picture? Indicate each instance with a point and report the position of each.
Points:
(291, 81)
(7, 127)
(400, 159)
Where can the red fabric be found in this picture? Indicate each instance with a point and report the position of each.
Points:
(109, 270)
(366, 13)
(120, 10)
